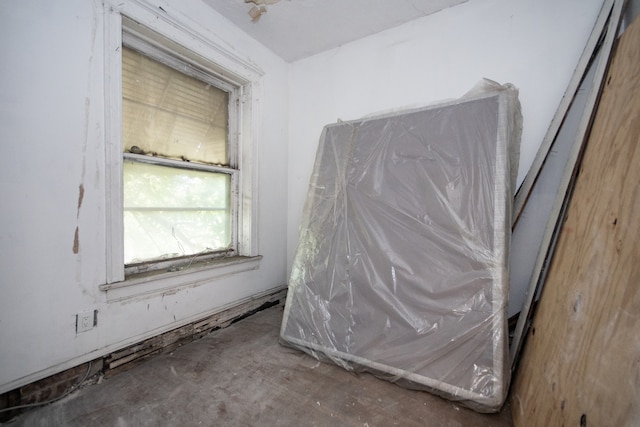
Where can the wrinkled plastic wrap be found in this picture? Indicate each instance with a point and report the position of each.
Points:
(402, 263)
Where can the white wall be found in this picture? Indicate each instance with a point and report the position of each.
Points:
(534, 44)
(52, 135)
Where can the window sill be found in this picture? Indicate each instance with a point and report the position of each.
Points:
(152, 283)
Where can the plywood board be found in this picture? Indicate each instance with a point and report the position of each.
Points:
(581, 364)
(401, 267)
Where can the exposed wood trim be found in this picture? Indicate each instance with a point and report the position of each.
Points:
(120, 360)
(132, 355)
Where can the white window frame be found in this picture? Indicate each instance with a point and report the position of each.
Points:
(142, 43)
(162, 29)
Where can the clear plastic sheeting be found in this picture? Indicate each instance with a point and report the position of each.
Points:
(402, 264)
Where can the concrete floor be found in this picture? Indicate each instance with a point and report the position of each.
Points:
(241, 376)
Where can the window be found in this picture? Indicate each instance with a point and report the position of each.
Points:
(180, 173)
(182, 111)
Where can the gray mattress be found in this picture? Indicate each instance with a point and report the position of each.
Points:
(402, 263)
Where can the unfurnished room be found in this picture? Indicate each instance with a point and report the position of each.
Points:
(320, 213)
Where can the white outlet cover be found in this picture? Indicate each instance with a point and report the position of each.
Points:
(84, 321)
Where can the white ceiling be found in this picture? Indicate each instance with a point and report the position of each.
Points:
(295, 29)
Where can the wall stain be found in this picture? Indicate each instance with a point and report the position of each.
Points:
(76, 241)
(80, 198)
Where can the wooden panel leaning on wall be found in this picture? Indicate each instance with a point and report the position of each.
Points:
(581, 364)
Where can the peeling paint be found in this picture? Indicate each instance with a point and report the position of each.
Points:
(261, 2)
(259, 9)
(80, 198)
(170, 292)
(256, 12)
(76, 241)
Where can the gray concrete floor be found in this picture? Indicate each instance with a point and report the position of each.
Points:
(241, 376)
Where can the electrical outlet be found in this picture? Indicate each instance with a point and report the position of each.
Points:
(86, 320)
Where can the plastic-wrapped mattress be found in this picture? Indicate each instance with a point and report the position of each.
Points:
(402, 263)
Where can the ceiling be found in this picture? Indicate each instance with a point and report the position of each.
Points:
(295, 29)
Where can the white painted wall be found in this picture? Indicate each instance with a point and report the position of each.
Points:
(52, 135)
(534, 44)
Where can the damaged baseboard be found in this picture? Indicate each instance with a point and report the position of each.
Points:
(130, 356)
(59, 385)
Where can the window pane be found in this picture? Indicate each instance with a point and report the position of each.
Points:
(172, 114)
(170, 212)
